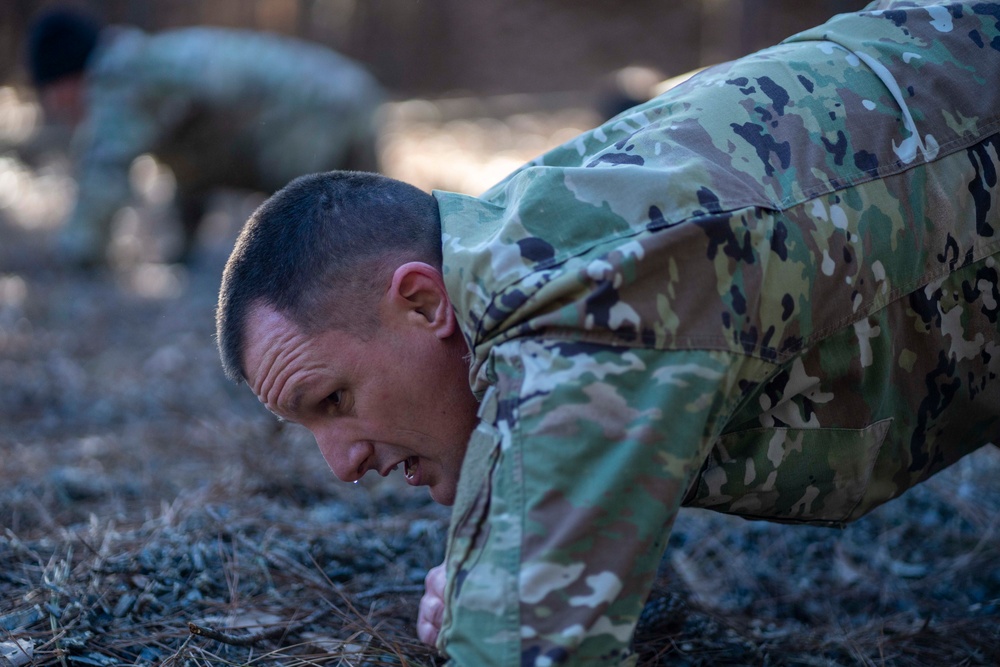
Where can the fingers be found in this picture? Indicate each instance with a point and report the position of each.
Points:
(429, 619)
(436, 579)
(431, 611)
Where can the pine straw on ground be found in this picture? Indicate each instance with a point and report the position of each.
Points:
(303, 573)
(140, 493)
(277, 585)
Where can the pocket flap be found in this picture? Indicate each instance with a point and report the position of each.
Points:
(789, 474)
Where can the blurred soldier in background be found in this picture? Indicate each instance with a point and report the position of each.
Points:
(220, 107)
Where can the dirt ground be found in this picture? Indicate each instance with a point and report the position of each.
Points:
(152, 513)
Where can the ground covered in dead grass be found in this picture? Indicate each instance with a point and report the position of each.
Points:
(151, 513)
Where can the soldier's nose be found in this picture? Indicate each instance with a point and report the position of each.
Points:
(349, 461)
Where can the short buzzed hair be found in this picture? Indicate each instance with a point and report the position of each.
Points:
(320, 251)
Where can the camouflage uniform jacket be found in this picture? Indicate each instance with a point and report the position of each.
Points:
(220, 107)
(772, 291)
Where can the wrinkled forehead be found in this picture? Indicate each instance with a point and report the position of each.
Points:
(266, 333)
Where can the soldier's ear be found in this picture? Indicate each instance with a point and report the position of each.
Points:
(418, 297)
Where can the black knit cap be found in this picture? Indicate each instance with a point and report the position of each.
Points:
(59, 43)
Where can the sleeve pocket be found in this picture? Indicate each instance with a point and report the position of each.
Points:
(797, 475)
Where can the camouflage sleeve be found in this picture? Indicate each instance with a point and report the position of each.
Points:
(568, 493)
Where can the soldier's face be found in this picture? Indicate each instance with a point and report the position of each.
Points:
(399, 401)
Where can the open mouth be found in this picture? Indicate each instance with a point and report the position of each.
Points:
(410, 468)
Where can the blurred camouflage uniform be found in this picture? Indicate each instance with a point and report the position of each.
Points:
(221, 108)
(772, 291)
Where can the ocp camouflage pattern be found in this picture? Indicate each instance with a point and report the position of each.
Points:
(772, 291)
(220, 107)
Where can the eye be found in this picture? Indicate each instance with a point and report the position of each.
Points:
(335, 399)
